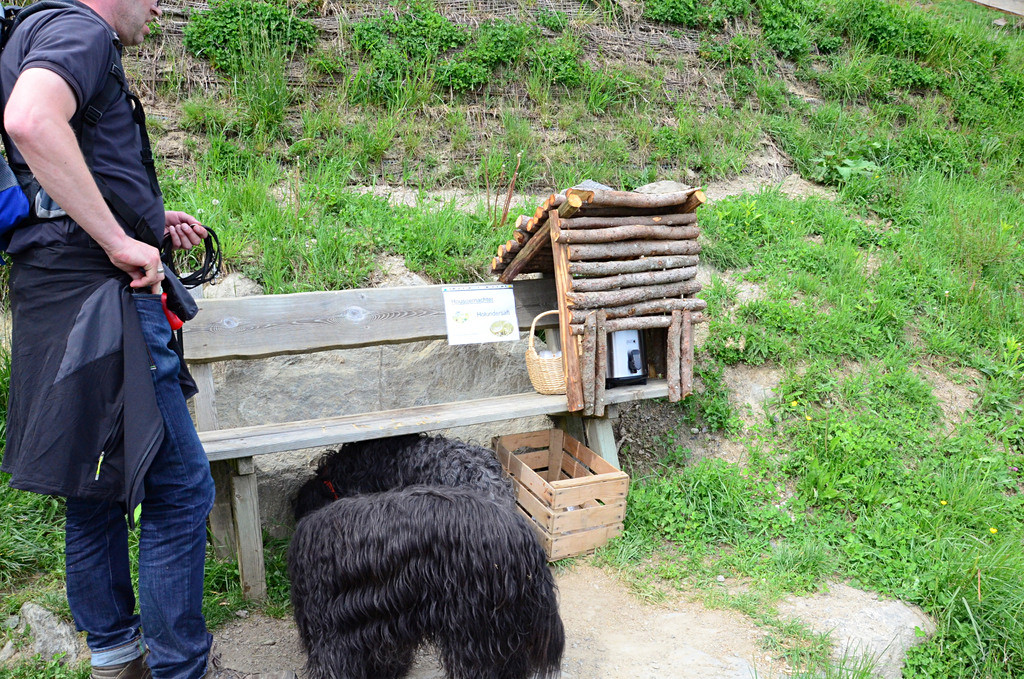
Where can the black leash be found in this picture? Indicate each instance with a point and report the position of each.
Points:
(208, 270)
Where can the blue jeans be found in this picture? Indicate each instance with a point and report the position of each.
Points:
(172, 542)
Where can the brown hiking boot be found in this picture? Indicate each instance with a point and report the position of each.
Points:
(216, 670)
(134, 669)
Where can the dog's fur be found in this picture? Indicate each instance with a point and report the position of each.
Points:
(384, 464)
(375, 576)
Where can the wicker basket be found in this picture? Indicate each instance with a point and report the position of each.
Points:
(546, 374)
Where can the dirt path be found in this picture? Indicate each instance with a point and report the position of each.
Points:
(610, 634)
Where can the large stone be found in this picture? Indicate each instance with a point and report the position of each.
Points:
(664, 186)
(230, 285)
(863, 624)
(51, 636)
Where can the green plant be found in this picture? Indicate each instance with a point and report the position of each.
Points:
(695, 13)
(558, 61)
(327, 62)
(260, 85)
(37, 668)
(205, 114)
(553, 20)
(223, 32)
(853, 158)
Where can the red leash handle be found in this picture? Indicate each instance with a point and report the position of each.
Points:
(175, 322)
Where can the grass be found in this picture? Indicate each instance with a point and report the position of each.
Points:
(914, 114)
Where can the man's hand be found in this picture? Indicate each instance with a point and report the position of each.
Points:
(184, 230)
(140, 261)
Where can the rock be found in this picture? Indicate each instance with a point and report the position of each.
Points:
(11, 622)
(664, 186)
(751, 388)
(7, 652)
(591, 185)
(391, 272)
(50, 635)
(861, 623)
(231, 285)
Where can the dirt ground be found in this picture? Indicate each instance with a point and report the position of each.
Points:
(610, 634)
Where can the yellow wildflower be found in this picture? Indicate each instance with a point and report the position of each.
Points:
(993, 530)
(943, 503)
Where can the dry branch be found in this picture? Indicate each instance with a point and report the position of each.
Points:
(583, 194)
(591, 211)
(570, 355)
(640, 200)
(589, 362)
(612, 268)
(639, 323)
(614, 298)
(674, 219)
(570, 206)
(633, 249)
(696, 199)
(672, 359)
(631, 232)
(630, 280)
(654, 308)
(601, 359)
(516, 266)
(686, 357)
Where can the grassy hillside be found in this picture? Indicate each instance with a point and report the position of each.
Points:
(267, 115)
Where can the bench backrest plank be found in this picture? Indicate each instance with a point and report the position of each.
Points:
(271, 325)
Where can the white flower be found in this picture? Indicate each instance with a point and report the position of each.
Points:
(215, 202)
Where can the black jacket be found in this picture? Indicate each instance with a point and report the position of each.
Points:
(83, 419)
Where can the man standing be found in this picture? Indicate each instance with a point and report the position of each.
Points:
(98, 393)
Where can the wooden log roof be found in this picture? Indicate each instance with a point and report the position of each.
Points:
(629, 217)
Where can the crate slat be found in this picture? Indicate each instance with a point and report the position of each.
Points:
(584, 542)
(605, 490)
(574, 499)
(582, 519)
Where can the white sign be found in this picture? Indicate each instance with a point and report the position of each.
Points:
(480, 313)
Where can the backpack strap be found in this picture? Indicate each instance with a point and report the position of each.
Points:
(115, 88)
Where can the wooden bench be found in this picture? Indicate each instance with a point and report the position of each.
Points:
(263, 326)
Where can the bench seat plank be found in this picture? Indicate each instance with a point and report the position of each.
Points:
(226, 444)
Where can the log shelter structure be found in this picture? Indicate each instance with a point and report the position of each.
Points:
(620, 260)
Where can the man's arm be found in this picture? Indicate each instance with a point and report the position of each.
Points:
(37, 119)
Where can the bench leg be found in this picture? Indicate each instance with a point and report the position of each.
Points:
(222, 525)
(573, 426)
(595, 432)
(601, 440)
(248, 534)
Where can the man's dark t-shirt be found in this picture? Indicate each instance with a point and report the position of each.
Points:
(78, 45)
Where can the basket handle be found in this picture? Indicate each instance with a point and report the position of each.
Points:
(533, 326)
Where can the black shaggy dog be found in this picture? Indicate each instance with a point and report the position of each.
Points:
(375, 576)
(384, 464)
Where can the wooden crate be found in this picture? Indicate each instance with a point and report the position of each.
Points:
(576, 500)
